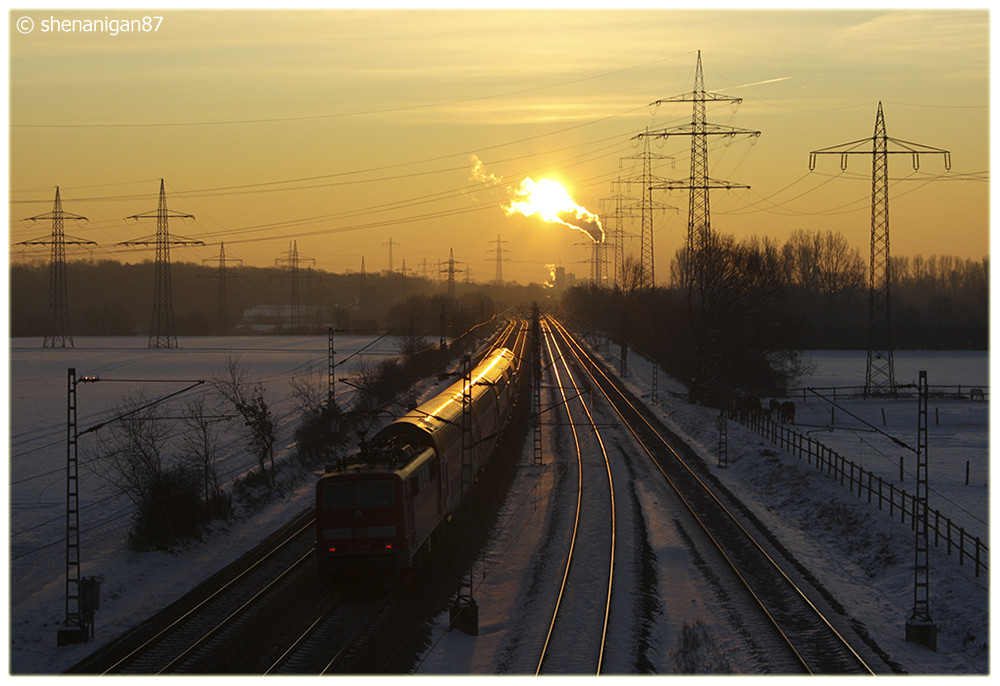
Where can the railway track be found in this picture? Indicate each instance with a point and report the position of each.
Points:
(813, 642)
(183, 642)
(211, 634)
(578, 629)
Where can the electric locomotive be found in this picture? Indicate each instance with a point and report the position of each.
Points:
(380, 506)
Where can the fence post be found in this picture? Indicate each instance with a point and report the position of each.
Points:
(961, 546)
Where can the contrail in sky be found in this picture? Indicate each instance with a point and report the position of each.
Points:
(761, 83)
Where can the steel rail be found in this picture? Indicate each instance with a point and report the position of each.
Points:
(576, 521)
(611, 494)
(213, 596)
(549, 342)
(235, 614)
(583, 354)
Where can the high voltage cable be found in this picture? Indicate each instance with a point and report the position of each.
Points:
(234, 189)
(341, 115)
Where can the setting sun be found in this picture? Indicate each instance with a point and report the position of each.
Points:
(553, 203)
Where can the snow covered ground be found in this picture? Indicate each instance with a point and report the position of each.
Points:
(820, 521)
(136, 584)
(861, 555)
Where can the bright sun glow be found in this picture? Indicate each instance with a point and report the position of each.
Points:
(546, 198)
(550, 201)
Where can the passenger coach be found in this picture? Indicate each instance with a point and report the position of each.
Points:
(381, 505)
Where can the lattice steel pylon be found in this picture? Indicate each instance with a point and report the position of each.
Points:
(879, 370)
(619, 207)
(162, 333)
(648, 181)
(699, 230)
(292, 259)
(58, 332)
(500, 250)
(450, 270)
(391, 243)
(222, 275)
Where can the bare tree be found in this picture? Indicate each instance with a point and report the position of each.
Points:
(823, 263)
(201, 442)
(247, 397)
(134, 448)
(411, 344)
(309, 391)
(631, 282)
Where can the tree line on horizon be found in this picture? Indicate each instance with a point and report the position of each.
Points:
(760, 301)
(111, 298)
(815, 280)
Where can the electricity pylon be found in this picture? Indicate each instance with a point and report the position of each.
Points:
(699, 230)
(647, 181)
(391, 243)
(879, 371)
(619, 207)
(498, 280)
(162, 333)
(222, 274)
(58, 333)
(292, 259)
(647, 206)
(450, 270)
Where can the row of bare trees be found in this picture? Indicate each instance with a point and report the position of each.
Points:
(755, 302)
(163, 460)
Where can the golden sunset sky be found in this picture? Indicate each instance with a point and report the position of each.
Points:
(343, 129)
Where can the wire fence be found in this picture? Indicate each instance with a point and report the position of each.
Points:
(955, 392)
(896, 501)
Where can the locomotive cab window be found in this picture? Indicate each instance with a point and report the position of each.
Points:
(358, 495)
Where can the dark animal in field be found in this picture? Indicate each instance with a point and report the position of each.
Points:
(788, 412)
(977, 394)
(775, 409)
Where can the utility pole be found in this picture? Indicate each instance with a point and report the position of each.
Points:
(880, 376)
(81, 594)
(292, 259)
(222, 325)
(920, 628)
(58, 333)
(390, 244)
(536, 383)
(699, 231)
(498, 279)
(162, 333)
(464, 614)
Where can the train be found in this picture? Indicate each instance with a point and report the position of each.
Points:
(378, 509)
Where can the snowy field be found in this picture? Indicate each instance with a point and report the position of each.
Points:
(136, 585)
